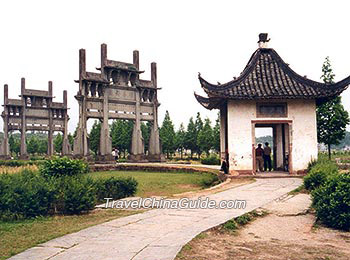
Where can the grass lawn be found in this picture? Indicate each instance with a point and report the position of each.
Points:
(17, 236)
(161, 183)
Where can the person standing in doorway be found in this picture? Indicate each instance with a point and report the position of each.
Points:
(267, 157)
(114, 154)
(259, 153)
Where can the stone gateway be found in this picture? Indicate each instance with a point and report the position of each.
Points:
(117, 92)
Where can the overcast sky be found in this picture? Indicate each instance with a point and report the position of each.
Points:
(41, 40)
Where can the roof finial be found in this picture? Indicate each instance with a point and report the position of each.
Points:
(263, 40)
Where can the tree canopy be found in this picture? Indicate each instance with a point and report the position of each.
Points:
(332, 118)
(167, 135)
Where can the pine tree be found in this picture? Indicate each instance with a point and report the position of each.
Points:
(146, 132)
(14, 145)
(42, 146)
(216, 134)
(190, 137)
(121, 134)
(180, 139)
(332, 118)
(199, 127)
(58, 143)
(167, 135)
(33, 144)
(71, 140)
(205, 137)
(94, 137)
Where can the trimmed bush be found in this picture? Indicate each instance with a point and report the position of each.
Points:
(209, 181)
(25, 195)
(116, 188)
(332, 202)
(211, 160)
(76, 194)
(319, 173)
(18, 163)
(63, 166)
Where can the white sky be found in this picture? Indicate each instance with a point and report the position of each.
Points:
(41, 39)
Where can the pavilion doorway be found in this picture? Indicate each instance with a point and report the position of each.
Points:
(278, 136)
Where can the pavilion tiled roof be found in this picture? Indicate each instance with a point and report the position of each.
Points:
(268, 77)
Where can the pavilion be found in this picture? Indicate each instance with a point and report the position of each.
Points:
(268, 93)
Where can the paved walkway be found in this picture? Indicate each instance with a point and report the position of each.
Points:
(157, 234)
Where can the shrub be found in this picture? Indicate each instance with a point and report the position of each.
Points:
(25, 195)
(76, 194)
(211, 160)
(244, 219)
(63, 166)
(311, 164)
(115, 188)
(210, 180)
(332, 202)
(319, 174)
(230, 225)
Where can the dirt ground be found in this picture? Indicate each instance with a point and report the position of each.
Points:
(287, 232)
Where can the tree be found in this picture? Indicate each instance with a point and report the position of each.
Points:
(205, 137)
(180, 139)
(94, 137)
(190, 137)
(199, 127)
(33, 144)
(14, 145)
(42, 146)
(332, 118)
(216, 135)
(58, 143)
(167, 135)
(121, 134)
(71, 140)
(146, 132)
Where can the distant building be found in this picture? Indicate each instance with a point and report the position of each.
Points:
(268, 93)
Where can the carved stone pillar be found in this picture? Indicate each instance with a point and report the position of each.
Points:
(66, 148)
(5, 150)
(81, 148)
(50, 148)
(105, 139)
(23, 152)
(137, 152)
(154, 150)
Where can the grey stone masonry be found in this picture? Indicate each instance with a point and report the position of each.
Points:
(117, 92)
(35, 111)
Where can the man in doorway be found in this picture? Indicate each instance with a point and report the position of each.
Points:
(267, 157)
(259, 153)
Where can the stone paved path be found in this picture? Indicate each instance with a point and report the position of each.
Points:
(156, 234)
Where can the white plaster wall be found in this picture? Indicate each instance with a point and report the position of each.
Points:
(240, 139)
(304, 132)
(239, 117)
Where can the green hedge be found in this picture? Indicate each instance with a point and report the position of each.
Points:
(63, 166)
(332, 202)
(211, 160)
(17, 163)
(75, 194)
(25, 195)
(115, 187)
(60, 187)
(318, 174)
